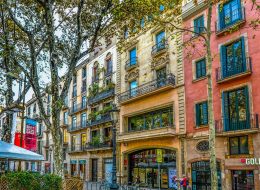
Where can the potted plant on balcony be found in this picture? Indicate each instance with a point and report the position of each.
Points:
(106, 109)
(92, 116)
(93, 90)
(108, 140)
(95, 141)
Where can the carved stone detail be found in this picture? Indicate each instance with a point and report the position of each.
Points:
(161, 61)
(132, 75)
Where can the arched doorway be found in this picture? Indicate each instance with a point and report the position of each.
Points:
(201, 175)
(147, 172)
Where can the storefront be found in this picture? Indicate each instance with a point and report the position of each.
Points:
(145, 170)
(242, 179)
(201, 175)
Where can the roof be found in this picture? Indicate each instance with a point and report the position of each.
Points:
(12, 152)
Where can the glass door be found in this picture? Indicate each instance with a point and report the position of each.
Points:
(94, 170)
(161, 77)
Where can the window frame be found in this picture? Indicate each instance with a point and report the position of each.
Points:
(198, 115)
(201, 71)
(239, 145)
(199, 30)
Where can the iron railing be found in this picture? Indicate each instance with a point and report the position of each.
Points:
(151, 86)
(76, 148)
(223, 73)
(131, 63)
(96, 146)
(78, 126)
(220, 25)
(101, 96)
(227, 124)
(101, 119)
(159, 47)
(77, 108)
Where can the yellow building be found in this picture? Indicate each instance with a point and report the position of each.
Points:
(151, 98)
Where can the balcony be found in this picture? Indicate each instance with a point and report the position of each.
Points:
(131, 64)
(228, 127)
(233, 73)
(159, 48)
(64, 124)
(78, 127)
(147, 134)
(221, 28)
(95, 147)
(95, 79)
(152, 87)
(76, 148)
(101, 96)
(77, 108)
(100, 119)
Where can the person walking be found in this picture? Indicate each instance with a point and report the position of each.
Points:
(184, 182)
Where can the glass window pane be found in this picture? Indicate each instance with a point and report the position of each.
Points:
(244, 145)
(234, 149)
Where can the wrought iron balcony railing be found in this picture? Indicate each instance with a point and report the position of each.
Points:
(232, 72)
(101, 96)
(100, 119)
(159, 47)
(131, 63)
(77, 108)
(97, 146)
(78, 126)
(224, 24)
(76, 148)
(154, 85)
(227, 124)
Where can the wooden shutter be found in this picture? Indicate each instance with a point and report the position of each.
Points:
(203, 67)
(202, 24)
(243, 53)
(198, 69)
(197, 114)
(221, 23)
(205, 112)
(247, 107)
(223, 60)
(225, 110)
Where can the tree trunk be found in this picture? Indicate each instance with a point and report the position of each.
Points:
(212, 136)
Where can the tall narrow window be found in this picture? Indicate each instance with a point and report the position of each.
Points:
(83, 140)
(160, 40)
(133, 88)
(161, 77)
(74, 122)
(74, 106)
(73, 142)
(199, 25)
(83, 119)
(133, 58)
(84, 72)
(200, 68)
(65, 118)
(109, 65)
(201, 114)
(236, 115)
(233, 58)
(84, 102)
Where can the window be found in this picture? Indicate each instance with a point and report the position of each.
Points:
(201, 114)
(29, 111)
(161, 8)
(74, 122)
(95, 73)
(84, 86)
(199, 25)
(65, 118)
(73, 142)
(66, 100)
(233, 58)
(83, 102)
(40, 128)
(74, 92)
(150, 120)
(133, 58)
(48, 98)
(142, 22)
(83, 140)
(200, 68)
(48, 110)
(133, 86)
(74, 79)
(74, 106)
(109, 65)
(160, 40)
(65, 136)
(243, 179)
(84, 72)
(34, 108)
(83, 119)
(238, 145)
(126, 33)
(161, 77)
(46, 154)
(236, 115)
(230, 13)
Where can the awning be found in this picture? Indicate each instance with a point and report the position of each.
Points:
(12, 152)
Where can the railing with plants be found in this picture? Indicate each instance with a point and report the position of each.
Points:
(98, 94)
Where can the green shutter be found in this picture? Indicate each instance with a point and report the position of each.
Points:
(203, 67)
(247, 107)
(221, 23)
(243, 53)
(202, 24)
(198, 70)
(223, 60)
(205, 112)
(197, 115)
(225, 110)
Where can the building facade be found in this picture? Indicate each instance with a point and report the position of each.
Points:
(90, 124)
(235, 74)
(150, 90)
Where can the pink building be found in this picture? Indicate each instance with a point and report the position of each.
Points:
(236, 95)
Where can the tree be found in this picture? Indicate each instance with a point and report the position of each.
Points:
(52, 35)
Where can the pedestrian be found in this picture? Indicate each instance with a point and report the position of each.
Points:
(184, 182)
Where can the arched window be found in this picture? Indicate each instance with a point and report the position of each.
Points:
(95, 72)
(109, 64)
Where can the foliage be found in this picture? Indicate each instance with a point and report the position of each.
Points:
(93, 90)
(95, 140)
(32, 181)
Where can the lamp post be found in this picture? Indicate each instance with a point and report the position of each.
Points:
(114, 116)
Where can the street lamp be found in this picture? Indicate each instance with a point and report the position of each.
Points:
(114, 116)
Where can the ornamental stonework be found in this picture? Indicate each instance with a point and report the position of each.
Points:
(202, 146)
(132, 75)
(161, 61)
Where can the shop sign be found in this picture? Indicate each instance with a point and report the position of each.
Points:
(159, 155)
(251, 161)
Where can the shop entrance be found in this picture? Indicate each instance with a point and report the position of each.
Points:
(147, 172)
(242, 180)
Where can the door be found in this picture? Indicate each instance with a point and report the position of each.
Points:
(161, 77)
(160, 40)
(108, 170)
(94, 170)
(242, 180)
(133, 88)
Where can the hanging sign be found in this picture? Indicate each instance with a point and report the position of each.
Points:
(159, 155)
